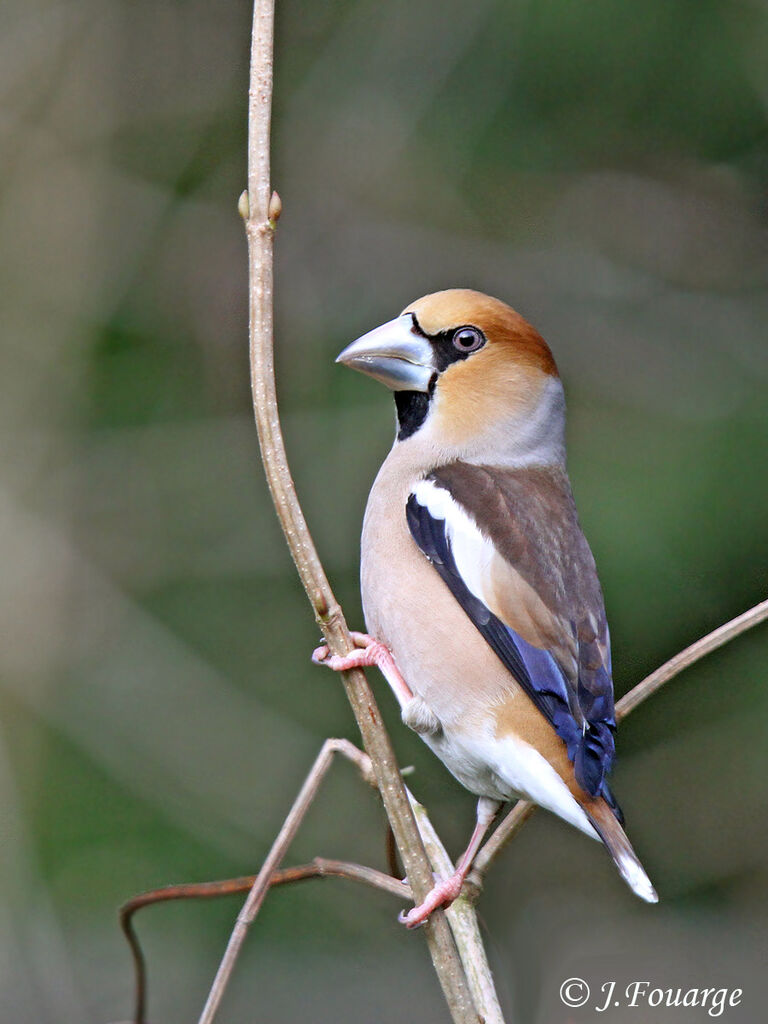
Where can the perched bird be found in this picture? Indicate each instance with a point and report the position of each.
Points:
(480, 592)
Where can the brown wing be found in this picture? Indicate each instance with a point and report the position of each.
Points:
(540, 606)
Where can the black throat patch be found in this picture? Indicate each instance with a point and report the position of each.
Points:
(412, 408)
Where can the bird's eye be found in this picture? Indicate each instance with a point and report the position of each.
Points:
(467, 339)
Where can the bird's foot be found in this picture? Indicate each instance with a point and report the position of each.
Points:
(368, 652)
(442, 895)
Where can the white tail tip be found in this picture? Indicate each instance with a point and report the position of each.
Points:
(637, 880)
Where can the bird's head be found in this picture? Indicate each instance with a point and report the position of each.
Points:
(472, 379)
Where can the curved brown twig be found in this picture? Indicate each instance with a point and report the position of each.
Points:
(319, 867)
(695, 652)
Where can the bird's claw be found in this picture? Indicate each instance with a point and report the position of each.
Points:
(402, 918)
(320, 654)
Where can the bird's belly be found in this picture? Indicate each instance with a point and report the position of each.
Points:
(467, 764)
(505, 768)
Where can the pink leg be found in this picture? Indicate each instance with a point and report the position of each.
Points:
(369, 652)
(445, 892)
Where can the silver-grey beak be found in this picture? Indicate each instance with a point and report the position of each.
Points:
(394, 354)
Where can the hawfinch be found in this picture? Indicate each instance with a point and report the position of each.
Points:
(480, 592)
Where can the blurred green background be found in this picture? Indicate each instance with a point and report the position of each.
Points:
(602, 166)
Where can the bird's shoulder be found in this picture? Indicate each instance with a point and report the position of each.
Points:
(528, 517)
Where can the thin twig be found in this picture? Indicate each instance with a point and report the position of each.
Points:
(319, 867)
(461, 916)
(523, 809)
(261, 883)
(262, 209)
(698, 650)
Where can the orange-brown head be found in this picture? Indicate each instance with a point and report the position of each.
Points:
(509, 335)
(471, 378)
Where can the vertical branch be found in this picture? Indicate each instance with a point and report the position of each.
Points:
(262, 210)
(463, 921)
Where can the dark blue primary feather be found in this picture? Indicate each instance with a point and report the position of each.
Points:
(590, 746)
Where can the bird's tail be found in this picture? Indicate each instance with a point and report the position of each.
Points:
(624, 857)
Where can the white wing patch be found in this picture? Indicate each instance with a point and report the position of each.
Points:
(472, 552)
